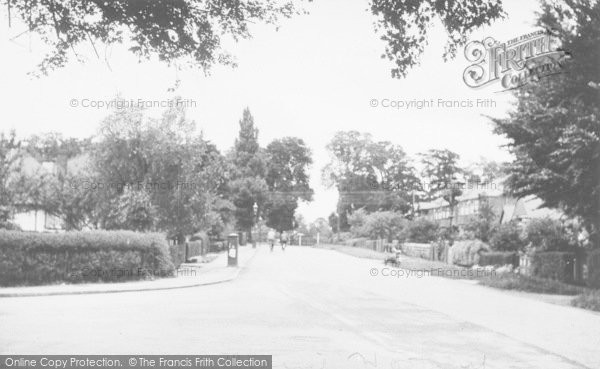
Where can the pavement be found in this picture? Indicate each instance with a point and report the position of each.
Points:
(314, 308)
(188, 275)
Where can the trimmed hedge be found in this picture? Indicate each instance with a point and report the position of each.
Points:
(467, 253)
(31, 258)
(499, 258)
(554, 265)
(593, 263)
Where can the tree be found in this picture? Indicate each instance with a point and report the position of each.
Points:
(181, 173)
(333, 221)
(506, 237)
(554, 131)
(441, 172)
(174, 31)
(482, 227)
(287, 179)
(386, 225)
(191, 32)
(9, 155)
(248, 166)
(376, 176)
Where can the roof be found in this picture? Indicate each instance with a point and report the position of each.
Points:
(530, 207)
(471, 191)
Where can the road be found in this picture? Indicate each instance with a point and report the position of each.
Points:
(313, 308)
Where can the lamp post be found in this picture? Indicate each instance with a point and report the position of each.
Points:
(255, 209)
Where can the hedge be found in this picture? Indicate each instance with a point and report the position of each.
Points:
(467, 253)
(499, 258)
(555, 265)
(31, 258)
(593, 263)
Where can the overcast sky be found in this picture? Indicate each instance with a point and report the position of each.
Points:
(315, 76)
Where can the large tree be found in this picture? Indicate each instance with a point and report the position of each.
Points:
(288, 161)
(442, 177)
(191, 31)
(248, 167)
(554, 131)
(374, 175)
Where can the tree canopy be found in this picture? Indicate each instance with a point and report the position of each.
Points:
(192, 32)
(554, 131)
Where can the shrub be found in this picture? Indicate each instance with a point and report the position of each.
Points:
(589, 300)
(38, 258)
(356, 242)
(553, 265)
(499, 258)
(593, 263)
(467, 253)
(385, 225)
(507, 237)
(420, 231)
(547, 235)
(512, 281)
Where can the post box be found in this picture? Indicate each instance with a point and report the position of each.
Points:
(232, 249)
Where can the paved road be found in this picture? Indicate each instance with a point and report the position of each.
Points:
(313, 308)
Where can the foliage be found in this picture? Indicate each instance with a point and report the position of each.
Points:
(507, 237)
(376, 176)
(467, 253)
(420, 230)
(554, 131)
(37, 258)
(499, 258)
(182, 173)
(593, 263)
(174, 31)
(405, 25)
(288, 161)
(589, 300)
(553, 265)
(547, 235)
(333, 221)
(513, 281)
(482, 227)
(9, 150)
(386, 225)
(245, 193)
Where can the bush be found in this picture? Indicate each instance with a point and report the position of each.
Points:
(356, 242)
(589, 300)
(553, 265)
(28, 258)
(467, 253)
(512, 281)
(547, 235)
(420, 231)
(593, 263)
(499, 258)
(507, 237)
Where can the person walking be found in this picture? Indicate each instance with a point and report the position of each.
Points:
(284, 239)
(271, 238)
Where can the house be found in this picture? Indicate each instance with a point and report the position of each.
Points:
(29, 216)
(506, 207)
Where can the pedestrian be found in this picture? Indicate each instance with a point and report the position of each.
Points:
(284, 239)
(271, 238)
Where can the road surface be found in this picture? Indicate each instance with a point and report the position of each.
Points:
(313, 308)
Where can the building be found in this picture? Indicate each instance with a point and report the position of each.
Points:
(29, 216)
(506, 207)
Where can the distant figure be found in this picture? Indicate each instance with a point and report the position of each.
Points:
(271, 238)
(394, 260)
(284, 240)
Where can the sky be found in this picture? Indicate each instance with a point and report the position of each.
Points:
(318, 74)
